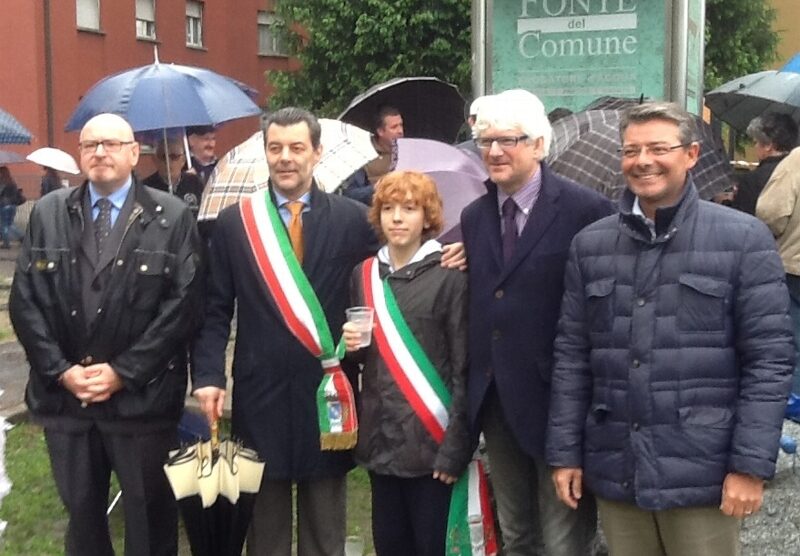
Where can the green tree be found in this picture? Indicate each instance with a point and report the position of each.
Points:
(739, 39)
(345, 46)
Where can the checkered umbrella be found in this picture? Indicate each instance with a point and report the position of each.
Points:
(11, 131)
(585, 150)
(243, 170)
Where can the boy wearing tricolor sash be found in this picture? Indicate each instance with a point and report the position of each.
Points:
(413, 436)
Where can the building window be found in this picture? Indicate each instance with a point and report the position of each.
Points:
(194, 23)
(88, 14)
(271, 35)
(146, 19)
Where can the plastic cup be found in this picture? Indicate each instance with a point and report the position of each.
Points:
(361, 317)
(354, 546)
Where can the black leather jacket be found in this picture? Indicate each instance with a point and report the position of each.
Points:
(147, 313)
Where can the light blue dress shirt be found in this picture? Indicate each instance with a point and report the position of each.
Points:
(283, 210)
(117, 200)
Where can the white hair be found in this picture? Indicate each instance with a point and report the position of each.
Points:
(515, 108)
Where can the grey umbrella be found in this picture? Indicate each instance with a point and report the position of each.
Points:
(8, 157)
(739, 101)
(585, 150)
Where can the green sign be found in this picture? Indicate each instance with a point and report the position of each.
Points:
(570, 52)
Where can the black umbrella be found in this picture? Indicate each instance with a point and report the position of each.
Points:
(586, 145)
(215, 484)
(431, 108)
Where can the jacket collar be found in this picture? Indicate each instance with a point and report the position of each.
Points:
(668, 219)
(142, 198)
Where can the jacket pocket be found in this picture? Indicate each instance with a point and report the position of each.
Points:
(152, 271)
(713, 417)
(46, 267)
(701, 303)
(600, 304)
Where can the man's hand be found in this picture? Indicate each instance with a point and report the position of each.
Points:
(102, 382)
(569, 485)
(74, 379)
(454, 256)
(444, 477)
(742, 495)
(212, 401)
(351, 336)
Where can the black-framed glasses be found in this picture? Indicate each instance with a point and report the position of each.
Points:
(507, 142)
(632, 151)
(109, 145)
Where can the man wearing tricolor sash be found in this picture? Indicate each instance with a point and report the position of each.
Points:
(282, 258)
(414, 434)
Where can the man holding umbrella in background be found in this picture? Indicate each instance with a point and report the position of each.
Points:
(388, 126)
(170, 160)
(105, 293)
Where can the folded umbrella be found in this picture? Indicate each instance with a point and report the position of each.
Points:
(11, 131)
(585, 149)
(243, 170)
(215, 484)
(459, 177)
(55, 159)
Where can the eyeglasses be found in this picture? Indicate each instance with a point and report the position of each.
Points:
(109, 145)
(655, 150)
(486, 143)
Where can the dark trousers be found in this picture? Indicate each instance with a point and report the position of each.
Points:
(409, 516)
(82, 463)
(321, 518)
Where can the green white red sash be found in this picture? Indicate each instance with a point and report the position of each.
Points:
(303, 315)
(470, 523)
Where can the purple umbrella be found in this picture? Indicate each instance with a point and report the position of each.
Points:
(459, 177)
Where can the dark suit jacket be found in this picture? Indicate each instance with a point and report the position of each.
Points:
(275, 377)
(514, 308)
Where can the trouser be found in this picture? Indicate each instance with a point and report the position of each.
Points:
(409, 515)
(701, 531)
(321, 518)
(7, 228)
(533, 521)
(82, 463)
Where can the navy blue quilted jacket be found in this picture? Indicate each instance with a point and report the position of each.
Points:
(673, 356)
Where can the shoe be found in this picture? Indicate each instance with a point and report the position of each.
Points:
(792, 411)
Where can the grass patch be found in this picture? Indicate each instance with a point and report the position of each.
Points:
(37, 519)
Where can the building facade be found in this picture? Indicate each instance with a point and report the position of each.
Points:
(53, 51)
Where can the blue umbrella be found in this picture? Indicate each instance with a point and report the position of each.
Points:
(11, 131)
(161, 96)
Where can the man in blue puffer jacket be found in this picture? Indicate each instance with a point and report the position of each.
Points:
(673, 356)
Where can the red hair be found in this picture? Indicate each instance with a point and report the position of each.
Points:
(398, 187)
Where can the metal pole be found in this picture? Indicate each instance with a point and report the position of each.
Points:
(680, 51)
(479, 41)
(48, 75)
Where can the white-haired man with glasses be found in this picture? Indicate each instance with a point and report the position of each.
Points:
(105, 296)
(673, 357)
(517, 236)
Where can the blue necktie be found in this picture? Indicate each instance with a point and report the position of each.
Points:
(509, 228)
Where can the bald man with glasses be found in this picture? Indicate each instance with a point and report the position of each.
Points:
(105, 296)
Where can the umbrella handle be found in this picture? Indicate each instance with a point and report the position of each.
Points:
(215, 435)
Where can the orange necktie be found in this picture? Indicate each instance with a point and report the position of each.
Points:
(296, 228)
